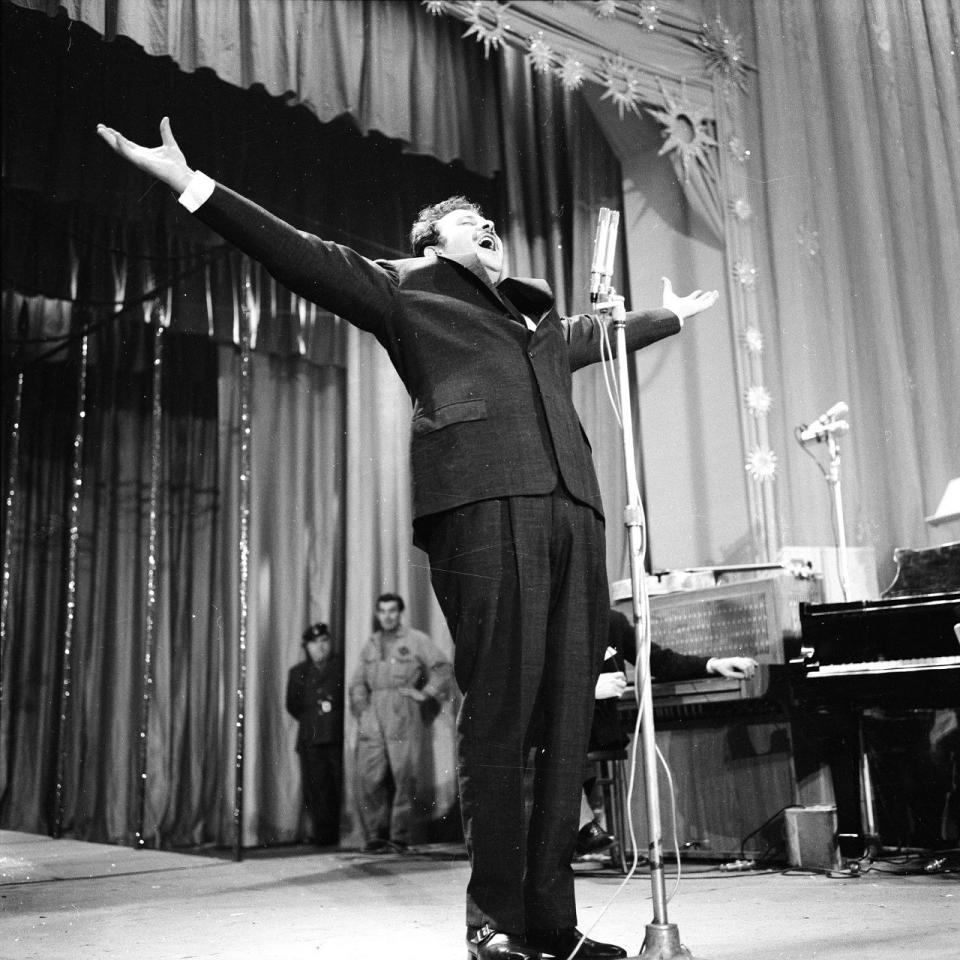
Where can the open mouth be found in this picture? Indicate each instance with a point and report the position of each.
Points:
(487, 242)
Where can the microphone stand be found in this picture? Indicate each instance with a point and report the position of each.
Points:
(833, 481)
(662, 939)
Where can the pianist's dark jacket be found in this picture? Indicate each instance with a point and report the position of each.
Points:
(607, 732)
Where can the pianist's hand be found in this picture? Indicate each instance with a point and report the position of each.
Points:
(737, 667)
(610, 685)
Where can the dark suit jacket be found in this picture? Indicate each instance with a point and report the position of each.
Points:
(607, 732)
(492, 408)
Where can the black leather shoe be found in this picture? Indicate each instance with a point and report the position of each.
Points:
(561, 943)
(376, 846)
(484, 943)
(592, 838)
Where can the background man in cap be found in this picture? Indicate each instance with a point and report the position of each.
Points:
(315, 699)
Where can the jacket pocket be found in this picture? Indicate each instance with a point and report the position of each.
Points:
(460, 411)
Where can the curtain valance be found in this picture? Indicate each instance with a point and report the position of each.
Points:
(390, 68)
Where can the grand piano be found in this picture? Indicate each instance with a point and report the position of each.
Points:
(875, 696)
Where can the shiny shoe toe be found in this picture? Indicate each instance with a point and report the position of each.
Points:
(561, 943)
(484, 943)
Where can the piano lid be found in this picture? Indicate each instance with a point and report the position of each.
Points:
(896, 628)
(925, 571)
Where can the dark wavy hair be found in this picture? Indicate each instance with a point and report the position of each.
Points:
(391, 598)
(424, 231)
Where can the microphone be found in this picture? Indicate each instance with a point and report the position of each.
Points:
(826, 423)
(604, 250)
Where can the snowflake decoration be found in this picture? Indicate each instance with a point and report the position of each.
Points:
(741, 209)
(723, 53)
(490, 36)
(809, 240)
(882, 33)
(539, 54)
(758, 400)
(435, 7)
(622, 81)
(745, 273)
(753, 339)
(688, 130)
(761, 464)
(604, 8)
(571, 73)
(737, 150)
(648, 14)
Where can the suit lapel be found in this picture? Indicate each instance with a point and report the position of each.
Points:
(531, 297)
(475, 268)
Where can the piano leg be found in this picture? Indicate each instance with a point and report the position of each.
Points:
(830, 766)
(868, 817)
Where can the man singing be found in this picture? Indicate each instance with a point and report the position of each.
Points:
(505, 503)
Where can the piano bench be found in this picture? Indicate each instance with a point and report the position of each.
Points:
(610, 766)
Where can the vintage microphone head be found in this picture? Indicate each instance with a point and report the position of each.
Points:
(604, 252)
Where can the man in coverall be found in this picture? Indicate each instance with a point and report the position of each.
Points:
(401, 672)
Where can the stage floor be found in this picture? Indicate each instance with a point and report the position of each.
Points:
(69, 900)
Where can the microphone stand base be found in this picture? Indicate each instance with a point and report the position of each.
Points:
(662, 942)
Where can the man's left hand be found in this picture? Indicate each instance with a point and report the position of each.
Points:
(413, 693)
(691, 304)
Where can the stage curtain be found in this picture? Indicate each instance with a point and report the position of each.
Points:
(392, 68)
(296, 558)
(858, 128)
(87, 231)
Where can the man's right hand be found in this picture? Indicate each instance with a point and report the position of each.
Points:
(610, 685)
(166, 162)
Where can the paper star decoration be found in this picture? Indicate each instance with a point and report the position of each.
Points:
(604, 8)
(622, 81)
(808, 239)
(492, 35)
(539, 54)
(759, 400)
(745, 273)
(753, 338)
(687, 129)
(723, 53)
(648, 14)
(741, 209)
(761, 464)
(737, 150)
(571, 73)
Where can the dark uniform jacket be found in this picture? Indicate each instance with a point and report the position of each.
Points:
(309, 687)
(607, 732)
(492, 409)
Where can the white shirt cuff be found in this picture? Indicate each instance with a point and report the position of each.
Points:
(198, 191)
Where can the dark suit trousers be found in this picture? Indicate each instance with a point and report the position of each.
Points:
(522, 583)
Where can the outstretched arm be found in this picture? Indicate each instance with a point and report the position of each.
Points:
(166, 162)
(642, 328)
(331, 275)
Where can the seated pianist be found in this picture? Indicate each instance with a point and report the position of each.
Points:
(607, 733)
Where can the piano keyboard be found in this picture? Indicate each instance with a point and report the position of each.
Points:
(884, 666)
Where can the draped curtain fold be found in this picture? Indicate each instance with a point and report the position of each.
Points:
(861, 197)
(380, 61)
